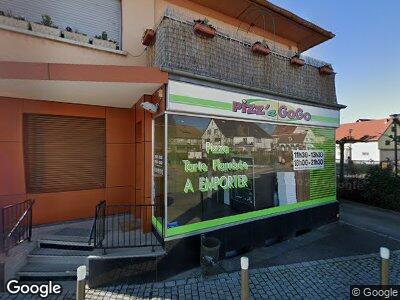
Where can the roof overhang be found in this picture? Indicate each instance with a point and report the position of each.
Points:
(115, 86)
(349, 140)
(260, 12)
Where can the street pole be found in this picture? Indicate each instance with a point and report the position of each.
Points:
(396, 122)
(341, 170)
(395, 150)
(244, 264)
(385, 255)
(80, 282)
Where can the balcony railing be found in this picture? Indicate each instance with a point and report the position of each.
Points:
(229, 59)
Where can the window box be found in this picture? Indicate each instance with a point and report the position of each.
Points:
(297, 61)
(148, 37)
(104, 43)
(260, 49)
(201, 27)
(45, 29)
(79, 37)
(12, 22)
(326, 70)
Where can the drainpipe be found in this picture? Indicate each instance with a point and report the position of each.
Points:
(395, 151)
(341, 170)
(396, 122)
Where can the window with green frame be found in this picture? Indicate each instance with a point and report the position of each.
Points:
(223, 171)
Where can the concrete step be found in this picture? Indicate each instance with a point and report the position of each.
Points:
(138, 252)
(64, 244)
(65, 252)
(55, 259)
(41, 271)
(66, 238)
(61, 256)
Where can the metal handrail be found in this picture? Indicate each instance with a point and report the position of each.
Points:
(21, 218)
(98, 224)
(92, 231)
(126, 226)
(14, 216)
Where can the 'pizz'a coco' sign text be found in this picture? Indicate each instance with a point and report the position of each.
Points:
(283, 112)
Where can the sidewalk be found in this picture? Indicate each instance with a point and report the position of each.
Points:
(326, 279)
(321, 279)
(320, 264)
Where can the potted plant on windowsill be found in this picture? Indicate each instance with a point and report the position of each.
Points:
(203, 28)
(13, 21)
(46, 27)
(326, 70)
(68, 33)
(297, 61)
(148, 37)
(260, 48)
(103, 41)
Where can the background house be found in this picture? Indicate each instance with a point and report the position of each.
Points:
(366, 140)
(186, 140)
(241, 135)
(293, 138)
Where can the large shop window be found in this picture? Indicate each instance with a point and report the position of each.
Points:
(64, 153)
(221, 168)
(91, 17)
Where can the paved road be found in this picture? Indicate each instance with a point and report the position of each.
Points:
(323, 279)
(382, 221)
(360, 231)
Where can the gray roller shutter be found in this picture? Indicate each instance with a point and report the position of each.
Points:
(87, 16)
(63, 153)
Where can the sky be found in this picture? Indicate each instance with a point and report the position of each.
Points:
(365, 53)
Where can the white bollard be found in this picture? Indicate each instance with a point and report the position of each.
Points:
(385, 255)
(80, 282)
(244, 264)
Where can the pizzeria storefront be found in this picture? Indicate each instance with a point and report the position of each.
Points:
(244, 168)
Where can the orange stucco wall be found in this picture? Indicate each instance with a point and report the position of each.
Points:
(124, 182)
(137, 15)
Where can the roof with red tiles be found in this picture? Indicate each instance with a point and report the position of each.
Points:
(363, 130)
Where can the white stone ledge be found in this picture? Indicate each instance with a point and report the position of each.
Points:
(62, 40)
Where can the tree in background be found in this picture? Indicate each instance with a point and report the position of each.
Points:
(382, 188)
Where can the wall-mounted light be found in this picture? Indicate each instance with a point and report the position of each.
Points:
(153, 108)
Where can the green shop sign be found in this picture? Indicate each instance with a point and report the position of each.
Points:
(191, 98)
